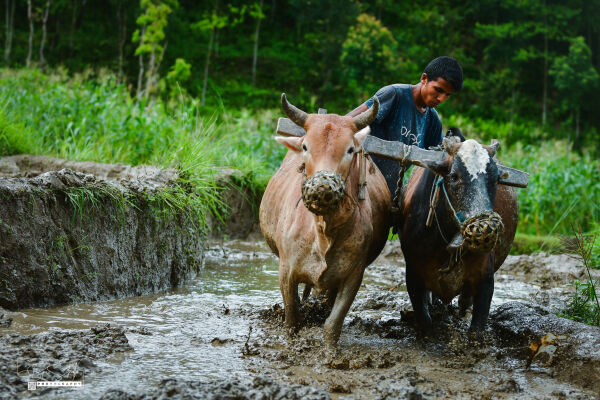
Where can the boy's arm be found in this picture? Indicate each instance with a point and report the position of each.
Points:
(360, 109)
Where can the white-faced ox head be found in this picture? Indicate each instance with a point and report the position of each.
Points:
(470, 178)
(329, 149)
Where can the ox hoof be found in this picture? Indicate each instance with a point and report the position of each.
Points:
(425, 325)
(477, 327)
(331, 335)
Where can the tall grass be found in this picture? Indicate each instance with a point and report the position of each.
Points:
(97, 120)
(92, 117)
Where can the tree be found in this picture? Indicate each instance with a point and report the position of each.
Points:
(152, 22)
(368, 53)
(30, 18)
(179, 74)
(44, 32)
(209, 23)
(576, 78)
(10, 28)
(256, 13)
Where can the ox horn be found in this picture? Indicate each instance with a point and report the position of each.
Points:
(450, 144)
(366, 118)
(294, 113)
(493, 147)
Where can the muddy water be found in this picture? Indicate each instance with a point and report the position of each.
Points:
(223, 325)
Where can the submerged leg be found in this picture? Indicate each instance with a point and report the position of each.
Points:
(482, 297)
(343, 300)
(419, 299)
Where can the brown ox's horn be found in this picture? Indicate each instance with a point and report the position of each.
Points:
(366, 118)
(295, 114)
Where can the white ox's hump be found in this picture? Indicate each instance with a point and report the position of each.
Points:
(474, 156)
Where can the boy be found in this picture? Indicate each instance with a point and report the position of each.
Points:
(407, 113)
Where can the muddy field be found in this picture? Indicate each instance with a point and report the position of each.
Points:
(222, 337)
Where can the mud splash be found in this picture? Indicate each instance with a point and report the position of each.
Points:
(222, 335)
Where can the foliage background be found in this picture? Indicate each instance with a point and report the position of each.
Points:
(172, 82)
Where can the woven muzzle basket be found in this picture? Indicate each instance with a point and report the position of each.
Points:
(323, 192)
(481, 232)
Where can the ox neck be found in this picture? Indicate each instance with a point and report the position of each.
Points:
(447, 219)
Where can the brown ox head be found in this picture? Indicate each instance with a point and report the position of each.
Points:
(328, 148)
(470, 177)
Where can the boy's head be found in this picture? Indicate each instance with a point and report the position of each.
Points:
(447, 68)
(442, 77)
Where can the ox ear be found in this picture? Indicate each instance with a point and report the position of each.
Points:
(361, 135)
(441, 168)
(292, 143)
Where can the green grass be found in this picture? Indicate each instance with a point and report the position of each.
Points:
(585, 304)
(89, 117)
(97, 120)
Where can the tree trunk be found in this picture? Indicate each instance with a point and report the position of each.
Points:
(30, 17)
(577, 113)
(512, 111)
(122, 22)
(545, 92)
(44, 30)
(150, 73)
(256, 35)
(206, 65)
(72, 33)
(141, 73)
(10, 29)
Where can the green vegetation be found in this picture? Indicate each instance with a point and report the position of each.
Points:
(92, 117)
(585, 305)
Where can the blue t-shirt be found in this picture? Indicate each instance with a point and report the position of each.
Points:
(399, 120)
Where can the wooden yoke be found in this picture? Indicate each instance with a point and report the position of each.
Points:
(408, 154)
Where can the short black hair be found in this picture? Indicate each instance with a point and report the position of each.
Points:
(447, 68)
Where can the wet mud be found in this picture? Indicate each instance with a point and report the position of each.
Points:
(222, 336)
(81, 231)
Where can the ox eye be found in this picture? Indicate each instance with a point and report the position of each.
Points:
(304, 147)
(351, 150)
(453, 177)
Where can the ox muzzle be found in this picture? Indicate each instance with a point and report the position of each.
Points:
(323, 192)
(482, 231)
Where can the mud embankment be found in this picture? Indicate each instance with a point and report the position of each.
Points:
(83, 231)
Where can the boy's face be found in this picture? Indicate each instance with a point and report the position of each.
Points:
(435, 92)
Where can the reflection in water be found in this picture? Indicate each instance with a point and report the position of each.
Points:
(182, 323)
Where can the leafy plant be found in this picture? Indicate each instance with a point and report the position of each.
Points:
(584, 306)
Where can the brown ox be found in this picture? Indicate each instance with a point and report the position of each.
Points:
(329, 246)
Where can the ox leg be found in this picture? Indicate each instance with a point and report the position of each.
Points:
(482, 297)
(306, 292)
(343, 300)
(418, 298)
(289, 291)
(465, 300)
